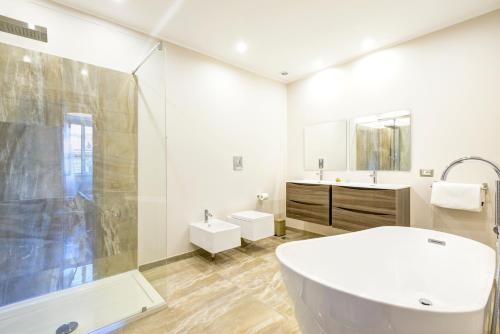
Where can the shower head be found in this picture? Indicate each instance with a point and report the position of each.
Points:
(23, 29)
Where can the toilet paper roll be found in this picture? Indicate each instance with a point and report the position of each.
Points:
(262, 196)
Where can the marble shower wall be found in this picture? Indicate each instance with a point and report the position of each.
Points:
(68, 214)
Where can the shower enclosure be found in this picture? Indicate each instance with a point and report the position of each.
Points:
(75, 190)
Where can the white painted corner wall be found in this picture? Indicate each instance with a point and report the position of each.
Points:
(450, 81)
(215, 112)
(152, 187)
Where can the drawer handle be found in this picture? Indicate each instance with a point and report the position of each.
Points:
(364, 212)
(363, 189)
(305, 203)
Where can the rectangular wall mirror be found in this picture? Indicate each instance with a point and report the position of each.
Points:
(325, 146)
(382, 142)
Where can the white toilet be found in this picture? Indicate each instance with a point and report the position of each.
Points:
(254, 225)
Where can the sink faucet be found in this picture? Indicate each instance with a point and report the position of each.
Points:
(207, 216)
(321, 165)
(373, 175)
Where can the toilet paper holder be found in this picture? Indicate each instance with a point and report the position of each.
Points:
(262, 196)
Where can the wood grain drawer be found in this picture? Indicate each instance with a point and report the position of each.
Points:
(363, 199)
(313, 213)
(309, 202)
(308, 193)
(355, 220)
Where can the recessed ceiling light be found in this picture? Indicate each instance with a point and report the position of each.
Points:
(27, 59)
(368, 44)
(84, 72)
(241, 47)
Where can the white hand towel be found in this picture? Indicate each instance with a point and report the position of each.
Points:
(457, 196)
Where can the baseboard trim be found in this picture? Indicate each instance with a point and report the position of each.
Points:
(295, 229)
(298, 230)
(187, 255)
(159, 263)
(152, 265)
(182, 256)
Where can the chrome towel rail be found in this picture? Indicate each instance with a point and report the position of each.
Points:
(496, 304)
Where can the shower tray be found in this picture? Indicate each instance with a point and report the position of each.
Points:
(97, 307)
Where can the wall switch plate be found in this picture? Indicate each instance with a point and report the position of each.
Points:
(237, 163)
(427, 172)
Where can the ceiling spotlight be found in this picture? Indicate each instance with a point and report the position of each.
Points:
(284, 73)
(241, 47)
(84, 72)
(368, 44)
(27, 59)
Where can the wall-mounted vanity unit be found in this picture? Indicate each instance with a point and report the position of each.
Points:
(310, 202)
(348, 206)
(375, 142)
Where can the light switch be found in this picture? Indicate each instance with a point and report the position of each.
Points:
(427, 172)
(237, 163)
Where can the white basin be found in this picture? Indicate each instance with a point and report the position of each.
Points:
(387, 186)
(215, 236)
(378, 281)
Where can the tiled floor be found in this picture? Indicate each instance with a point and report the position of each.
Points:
(241, 291)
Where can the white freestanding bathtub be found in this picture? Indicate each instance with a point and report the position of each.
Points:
(389, 280)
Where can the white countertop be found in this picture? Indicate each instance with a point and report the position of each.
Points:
(385, 186)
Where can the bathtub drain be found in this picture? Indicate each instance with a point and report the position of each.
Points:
(68, 328)
(425, 302)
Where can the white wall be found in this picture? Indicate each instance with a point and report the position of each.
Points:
(215, 111)
(450, 81)
(152, 187)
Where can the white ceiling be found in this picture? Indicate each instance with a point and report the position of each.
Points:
(297, 36)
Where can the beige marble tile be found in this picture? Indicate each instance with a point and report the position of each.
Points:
(275, 295)
(252, 276)
(240, 291)
(40, 101)
(244, 316)
(227, 259)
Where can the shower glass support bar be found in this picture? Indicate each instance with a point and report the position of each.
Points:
(158, 46)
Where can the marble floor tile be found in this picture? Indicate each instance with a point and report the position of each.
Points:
(240, 291)
(243, 316)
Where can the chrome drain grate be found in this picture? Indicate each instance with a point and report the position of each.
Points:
(68, 328)
(425, 302)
